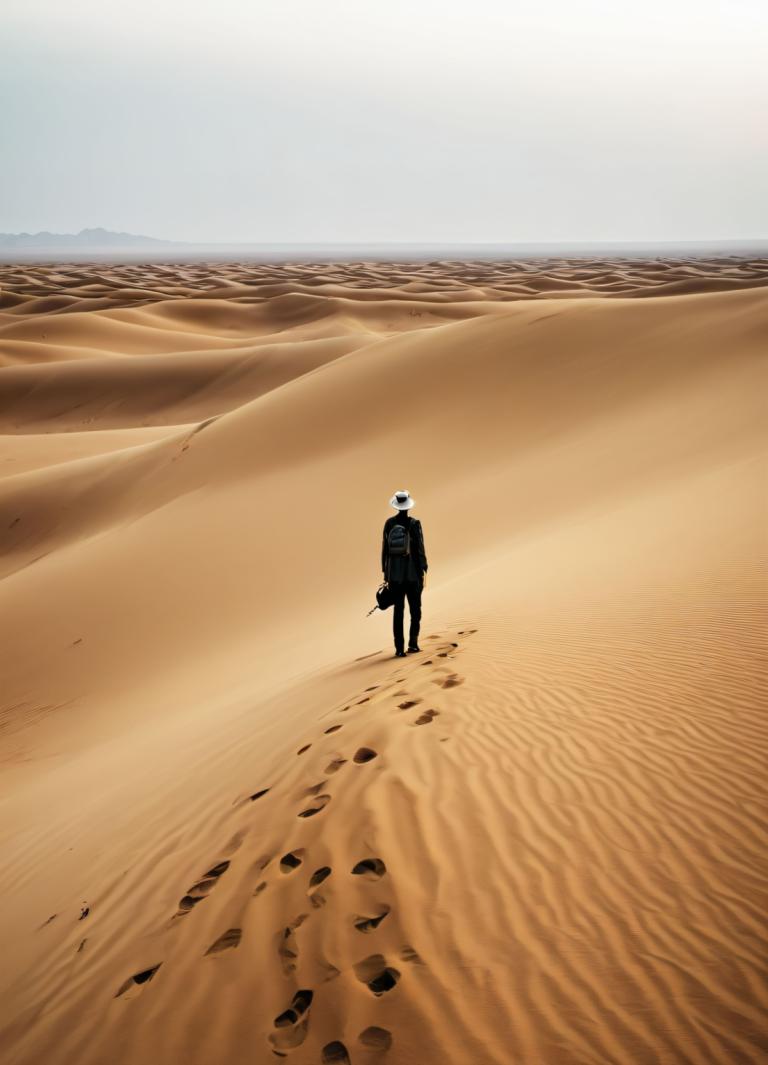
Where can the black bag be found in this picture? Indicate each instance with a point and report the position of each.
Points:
(384, 598)
(399, 541)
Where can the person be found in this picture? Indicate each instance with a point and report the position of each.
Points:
(404, 572)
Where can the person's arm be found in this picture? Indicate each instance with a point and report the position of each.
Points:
(422, 551)
(384, 552)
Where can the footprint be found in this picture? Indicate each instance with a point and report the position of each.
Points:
(331, 972)
(138, 978)
(187, 903)
(289, 1038)
(320, 875)
(409, 954)
(372, 689)
(288, 951)
(301, 750)
(333, 728)
(378, 1038)
(300, 1003)
(376, 974)
(258, 794)
(228, 941)
(359, 702)
(292, 860)
(316, 788)
(363, 755)
(335, 765)
(335, 1053)
(319, 804)
(408, 704)
(450, 682)
(426, 718)
(427, 663)
(235, 843)
(370, 868)
(369, 924)
(260, 887)
(288, 948)
(201, 889)
(384, 981)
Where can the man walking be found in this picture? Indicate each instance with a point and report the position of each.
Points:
(404, 565)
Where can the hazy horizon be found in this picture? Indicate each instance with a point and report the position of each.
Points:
(291, 123)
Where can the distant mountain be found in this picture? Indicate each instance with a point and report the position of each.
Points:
(106, 245)
(86, 238)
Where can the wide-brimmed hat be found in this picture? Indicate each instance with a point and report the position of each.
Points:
(402, 500)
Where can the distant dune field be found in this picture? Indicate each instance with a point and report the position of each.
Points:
(234, 829)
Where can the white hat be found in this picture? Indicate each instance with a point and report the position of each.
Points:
(402, 500)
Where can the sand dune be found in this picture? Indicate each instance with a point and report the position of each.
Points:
(233, 827)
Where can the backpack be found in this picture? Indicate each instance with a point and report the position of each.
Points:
(399, 541)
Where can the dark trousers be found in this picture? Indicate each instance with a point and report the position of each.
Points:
(400, 591)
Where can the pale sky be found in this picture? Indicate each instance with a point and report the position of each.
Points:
(386, 120)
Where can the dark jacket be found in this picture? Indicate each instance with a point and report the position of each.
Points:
(402, 567)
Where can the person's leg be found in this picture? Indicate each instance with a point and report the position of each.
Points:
(413, 589)
(398, 607)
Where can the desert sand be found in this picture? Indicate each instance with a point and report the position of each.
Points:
(233, 828)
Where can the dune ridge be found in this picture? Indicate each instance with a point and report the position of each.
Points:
(62, 287)
(232, 827)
